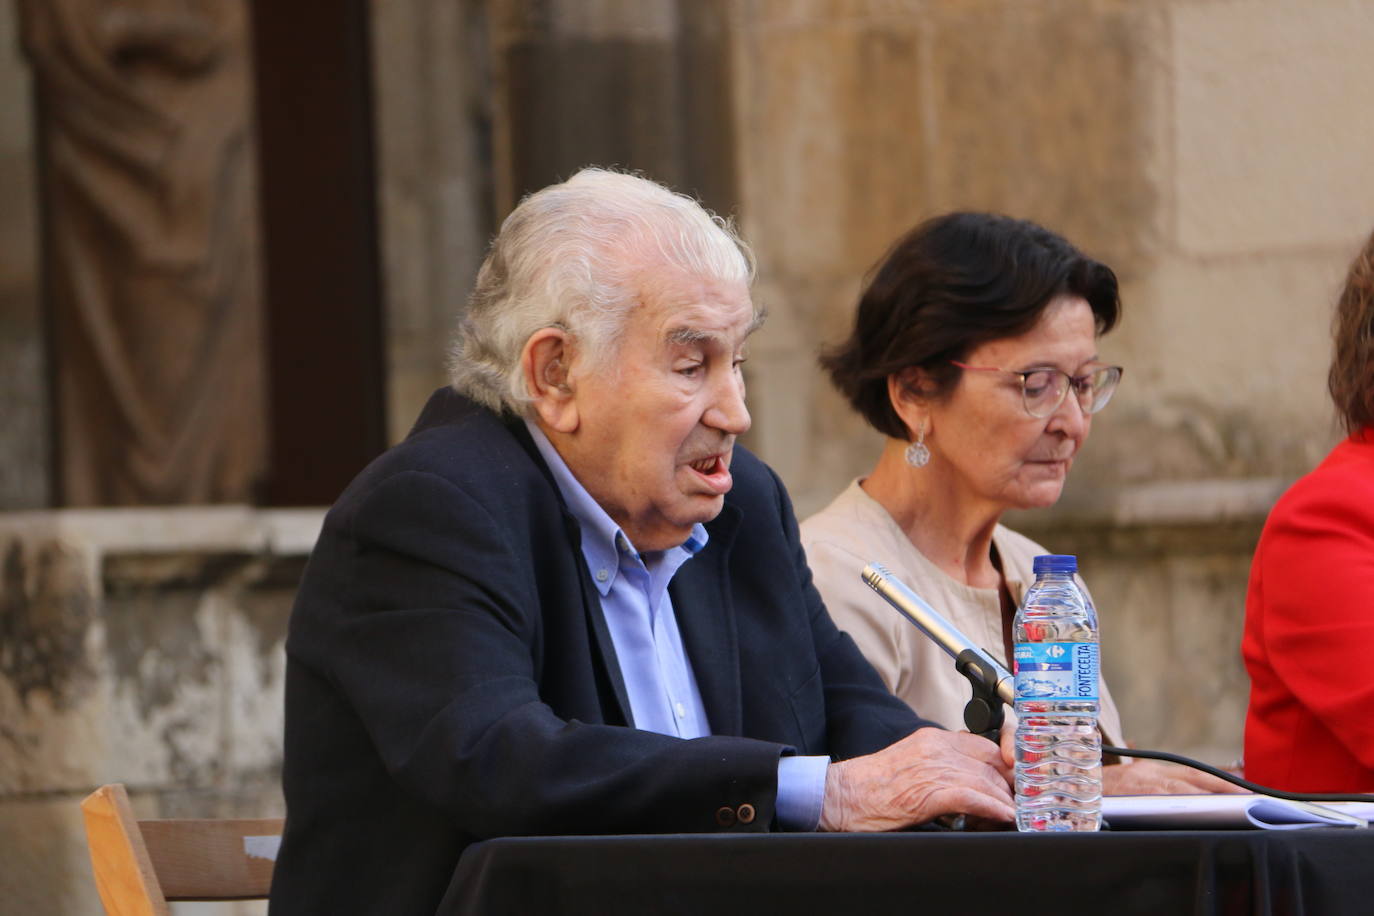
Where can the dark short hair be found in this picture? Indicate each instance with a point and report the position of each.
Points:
(1351, 380)
(951, 284)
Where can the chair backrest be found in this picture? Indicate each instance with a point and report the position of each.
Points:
(140, 865)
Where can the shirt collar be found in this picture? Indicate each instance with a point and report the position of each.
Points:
(602, 538)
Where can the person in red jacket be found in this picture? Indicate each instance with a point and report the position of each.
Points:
(1309, 614)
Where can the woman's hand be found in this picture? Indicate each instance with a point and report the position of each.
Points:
(1152, 777)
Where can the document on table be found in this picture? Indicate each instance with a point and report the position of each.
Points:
(1220, 812)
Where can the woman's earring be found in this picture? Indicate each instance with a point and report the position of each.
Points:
(917, 455)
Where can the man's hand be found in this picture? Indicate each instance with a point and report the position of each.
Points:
(928, 773)
(1152, 777)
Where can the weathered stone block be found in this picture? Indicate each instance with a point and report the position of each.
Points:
(142, 647)
(1272, 150)
(1225, 372)
(154, 667)
(1044, 111)
(833, 158)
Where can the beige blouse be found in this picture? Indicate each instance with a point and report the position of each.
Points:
(854, 530)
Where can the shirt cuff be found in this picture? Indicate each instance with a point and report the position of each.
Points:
(801, 792)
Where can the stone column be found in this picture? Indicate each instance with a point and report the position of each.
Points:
(638, 85)
(434, 187)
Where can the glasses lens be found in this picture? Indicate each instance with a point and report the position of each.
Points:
(1103, 386)
(1043, 390)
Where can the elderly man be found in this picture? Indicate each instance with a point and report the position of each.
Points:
(568, 602)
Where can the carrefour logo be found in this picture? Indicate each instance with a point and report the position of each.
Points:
(1055, 651)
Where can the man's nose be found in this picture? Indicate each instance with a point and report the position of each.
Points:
(727, 411)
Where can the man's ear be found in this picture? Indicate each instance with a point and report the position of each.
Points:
(545, 363)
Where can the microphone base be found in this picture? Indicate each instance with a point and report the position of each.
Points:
(983, 713)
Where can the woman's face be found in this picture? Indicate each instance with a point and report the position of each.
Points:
(991, 447)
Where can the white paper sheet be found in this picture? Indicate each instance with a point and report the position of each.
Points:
(1219, 812)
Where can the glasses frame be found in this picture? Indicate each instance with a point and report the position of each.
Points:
(1079, 384)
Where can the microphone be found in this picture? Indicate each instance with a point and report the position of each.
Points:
(990, 681)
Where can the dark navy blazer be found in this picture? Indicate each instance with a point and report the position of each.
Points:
(450, 676)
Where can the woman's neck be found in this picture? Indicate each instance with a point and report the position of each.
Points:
(932, 507)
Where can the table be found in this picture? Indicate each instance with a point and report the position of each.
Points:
(1326, 872)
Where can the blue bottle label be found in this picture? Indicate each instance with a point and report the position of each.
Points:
(1056, 670)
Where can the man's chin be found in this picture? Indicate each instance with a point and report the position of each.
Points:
(707, 506)
(702, 508)
(674, 530)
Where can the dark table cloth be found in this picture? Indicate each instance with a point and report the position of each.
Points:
(1324, 872)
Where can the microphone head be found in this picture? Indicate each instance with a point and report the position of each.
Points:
(874, 573)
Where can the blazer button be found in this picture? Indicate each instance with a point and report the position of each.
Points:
(746, 814)
(725, 816)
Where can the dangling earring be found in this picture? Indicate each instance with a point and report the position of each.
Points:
(917, 455)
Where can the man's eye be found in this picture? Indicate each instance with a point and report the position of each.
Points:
(690, 371)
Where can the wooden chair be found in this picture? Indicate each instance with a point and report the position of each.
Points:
(140, 865)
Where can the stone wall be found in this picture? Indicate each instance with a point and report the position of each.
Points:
(143, 647)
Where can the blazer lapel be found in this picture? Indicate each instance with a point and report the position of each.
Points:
(604, 648)
(596, 622)
(706, 619)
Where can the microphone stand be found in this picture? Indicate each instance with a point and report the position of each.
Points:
(992, 684)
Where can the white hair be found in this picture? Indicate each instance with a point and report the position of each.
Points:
(573, 256)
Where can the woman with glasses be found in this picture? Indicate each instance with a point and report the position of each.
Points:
(975, 352)
(1309, 613)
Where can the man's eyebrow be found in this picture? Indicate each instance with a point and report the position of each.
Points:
(686, 336)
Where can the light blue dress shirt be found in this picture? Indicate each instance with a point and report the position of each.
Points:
(662, 689)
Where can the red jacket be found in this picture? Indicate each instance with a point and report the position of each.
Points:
(1309, 631)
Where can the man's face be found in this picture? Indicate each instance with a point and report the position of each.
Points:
(657, 426)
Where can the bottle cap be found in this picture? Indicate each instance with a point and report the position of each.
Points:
(1055, 563)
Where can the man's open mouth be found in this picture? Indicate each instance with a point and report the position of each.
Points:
(713, 473)
(708, 465)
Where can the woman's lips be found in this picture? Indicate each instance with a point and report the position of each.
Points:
(1052, 463)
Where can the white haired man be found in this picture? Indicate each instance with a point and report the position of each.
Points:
(570, 603)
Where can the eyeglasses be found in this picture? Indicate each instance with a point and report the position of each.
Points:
(1043, 390)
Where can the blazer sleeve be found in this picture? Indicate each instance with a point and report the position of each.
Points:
(434, 649)
(1317, 597)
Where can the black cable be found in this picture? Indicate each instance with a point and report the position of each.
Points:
(1236, 780)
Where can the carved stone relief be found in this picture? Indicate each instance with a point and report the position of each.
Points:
(150, 254)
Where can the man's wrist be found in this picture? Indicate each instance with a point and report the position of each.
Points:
(836, 803)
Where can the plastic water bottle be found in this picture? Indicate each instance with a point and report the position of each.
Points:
(1058, 746)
